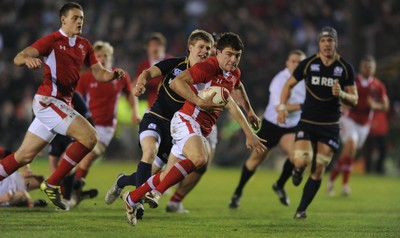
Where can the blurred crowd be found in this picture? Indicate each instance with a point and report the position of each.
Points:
(269, 29)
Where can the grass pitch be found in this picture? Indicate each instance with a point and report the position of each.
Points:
(372, 210)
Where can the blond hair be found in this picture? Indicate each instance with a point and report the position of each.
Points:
(103, 45)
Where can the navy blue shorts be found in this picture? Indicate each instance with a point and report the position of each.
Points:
(327, 134)
(272, 133)
(162, 128)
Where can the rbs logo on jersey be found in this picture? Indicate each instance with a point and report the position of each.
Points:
(322, 81)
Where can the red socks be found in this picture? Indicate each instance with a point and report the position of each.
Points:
(80, 173)
(149, 185)
(177, 197)
(177, 173)
(8, 166)
(346, 169)
(70, 159)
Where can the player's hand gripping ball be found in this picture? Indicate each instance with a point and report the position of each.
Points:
(221, 96)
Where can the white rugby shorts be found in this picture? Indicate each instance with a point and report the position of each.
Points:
(105, 133)
(52, 116)
(350, 130)
(182, 128)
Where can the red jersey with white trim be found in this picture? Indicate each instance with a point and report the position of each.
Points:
(152, 84)
(206, 74)
(102, 98)
(63, 59)
(362, 113)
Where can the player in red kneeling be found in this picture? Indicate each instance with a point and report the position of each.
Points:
(63, 52)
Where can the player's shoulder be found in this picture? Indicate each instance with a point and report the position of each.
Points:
(344, 62)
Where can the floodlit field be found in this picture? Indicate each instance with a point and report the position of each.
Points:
(372, 210)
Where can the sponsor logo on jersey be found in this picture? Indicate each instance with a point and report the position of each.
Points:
(338, 71)
(177, 72)
(315, 67)
(152, 126)
(219, 81)
(322, 81)
(62, 47)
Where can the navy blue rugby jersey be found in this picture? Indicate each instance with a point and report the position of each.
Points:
(168, 101)
(320, 106)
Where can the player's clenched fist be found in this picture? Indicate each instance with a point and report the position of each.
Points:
(336, 89)
(118, 74)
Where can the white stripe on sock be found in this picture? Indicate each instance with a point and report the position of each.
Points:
(150, 182)
(181, 169)
(69, 160)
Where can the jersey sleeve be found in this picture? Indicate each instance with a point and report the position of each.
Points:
(299, 73)
(202, 71)
(90, 58)
(44, 45)
(350, 81)
(127, 89)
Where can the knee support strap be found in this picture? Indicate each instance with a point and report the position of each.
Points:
(99, 148)
(323, 159)
(303, 154)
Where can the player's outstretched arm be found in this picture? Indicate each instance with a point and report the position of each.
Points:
(252, 140)
(141, 81)
(102, 74)
(29, 57)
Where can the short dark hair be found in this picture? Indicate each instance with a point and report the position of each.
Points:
(68, 6)
(229, 39)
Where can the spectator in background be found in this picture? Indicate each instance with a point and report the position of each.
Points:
(155, 46)
(356, 121)
(376, 141)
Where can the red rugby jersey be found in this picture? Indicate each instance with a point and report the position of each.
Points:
(102, 98)
(63, 59)
(206, 74)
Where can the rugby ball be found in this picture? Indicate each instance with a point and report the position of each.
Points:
(221, 96)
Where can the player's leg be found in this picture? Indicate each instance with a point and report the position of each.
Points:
(31, 145)
(286, 143)
(324, 154)
(106, 133)
(149, 145)
(189, 182)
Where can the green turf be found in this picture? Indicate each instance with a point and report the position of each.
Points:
(372, 210)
